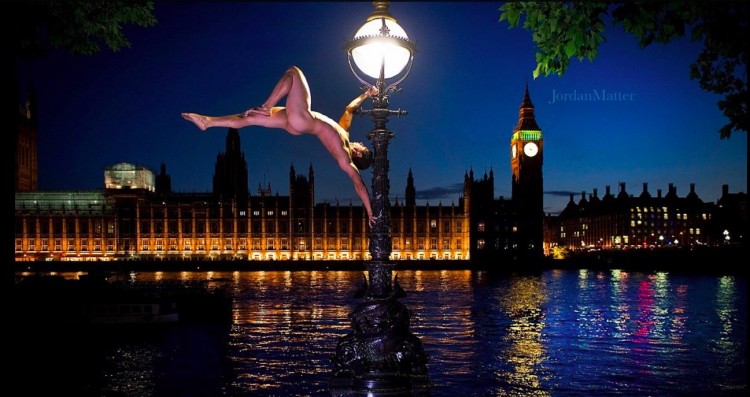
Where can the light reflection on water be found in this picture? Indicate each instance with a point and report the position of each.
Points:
(551, 333)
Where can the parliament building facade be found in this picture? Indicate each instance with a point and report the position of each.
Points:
(136, 216)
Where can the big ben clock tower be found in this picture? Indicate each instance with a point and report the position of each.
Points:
(526, 155)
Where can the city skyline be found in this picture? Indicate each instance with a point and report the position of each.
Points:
(633, 115)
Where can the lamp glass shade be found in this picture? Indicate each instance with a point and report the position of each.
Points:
(381, 49)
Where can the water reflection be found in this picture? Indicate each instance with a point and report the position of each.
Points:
(582, 332)
(442, 316)
(524, 350)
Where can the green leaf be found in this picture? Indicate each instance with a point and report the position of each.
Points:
(570, 49)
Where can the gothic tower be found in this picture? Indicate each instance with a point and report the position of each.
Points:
(526, 158)
(26, 171)
(411, 192)
(230, 175)
(302, 190)
(163, 181)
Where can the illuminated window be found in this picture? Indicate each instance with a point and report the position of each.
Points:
(215, 244)
(84, 245)
(283, 212)
(269, 244)
(480, 227)
(227, 244)
(433, 224)
(159, 245)
(284, 244)
(480, 244)
(256, 213)
(433, 243)
(32, 246)
(459, 244)
(269, 213)
(420, 244)
(19, 244)
(446, 244)
(71, 245)
(187, 245)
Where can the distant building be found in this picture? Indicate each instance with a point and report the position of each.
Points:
(137, 216)
(626, 221)
(731, 217)
(130, 220)
(129, 176)
(504, 231)
(26, 164)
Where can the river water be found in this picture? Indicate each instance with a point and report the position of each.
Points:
(549, 333)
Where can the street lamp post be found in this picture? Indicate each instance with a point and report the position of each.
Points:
(380, 355)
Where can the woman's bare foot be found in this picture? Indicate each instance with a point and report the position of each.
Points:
(257, 110)
(196, 119)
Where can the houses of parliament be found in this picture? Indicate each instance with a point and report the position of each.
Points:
(136, 216)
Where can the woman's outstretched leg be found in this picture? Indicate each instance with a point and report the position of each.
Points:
(295, 118)
(292, 85)
(203, 122)
(276, 120)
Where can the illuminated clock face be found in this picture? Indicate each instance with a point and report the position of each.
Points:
(531, 149)
(514, 150)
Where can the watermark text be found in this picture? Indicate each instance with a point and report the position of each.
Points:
(591, 96)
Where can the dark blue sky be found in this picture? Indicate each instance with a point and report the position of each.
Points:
(462, 96)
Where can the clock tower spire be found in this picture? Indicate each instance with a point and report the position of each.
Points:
(526, 152)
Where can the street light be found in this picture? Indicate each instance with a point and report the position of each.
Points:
(380, 355)
(381, 49)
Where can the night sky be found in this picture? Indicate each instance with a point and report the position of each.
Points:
(462, 98)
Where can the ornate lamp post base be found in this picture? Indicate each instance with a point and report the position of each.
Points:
(380, 357)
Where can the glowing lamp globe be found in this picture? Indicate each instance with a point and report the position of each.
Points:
(381, 48)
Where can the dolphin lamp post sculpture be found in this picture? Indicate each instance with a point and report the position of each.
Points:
(380, 356)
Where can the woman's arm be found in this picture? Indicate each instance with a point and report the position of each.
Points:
(346, 118)
(360, 187)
